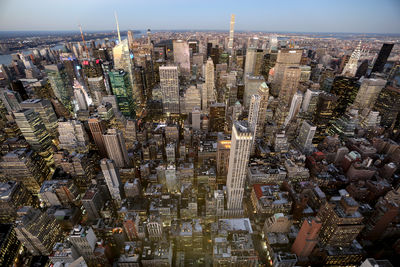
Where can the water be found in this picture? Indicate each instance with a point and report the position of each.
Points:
(6, 59)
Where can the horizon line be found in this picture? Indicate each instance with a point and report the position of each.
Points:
(201, 30)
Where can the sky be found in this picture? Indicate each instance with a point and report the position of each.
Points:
(357, 16)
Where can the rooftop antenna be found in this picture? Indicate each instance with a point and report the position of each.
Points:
(116, 19)
(83, 40)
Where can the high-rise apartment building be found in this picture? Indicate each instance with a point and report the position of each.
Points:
(116, 148)
(242, 139)
(169, 83)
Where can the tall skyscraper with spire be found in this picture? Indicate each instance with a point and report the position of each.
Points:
(116, 20)
(350, 68)
(231, 33)
(242, 139)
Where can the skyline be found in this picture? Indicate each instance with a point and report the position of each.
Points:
(343, 17)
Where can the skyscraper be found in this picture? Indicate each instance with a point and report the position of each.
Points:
(170, 88)
(286, 58)
(113, 180)
(346, 89)
(388, 106)
(123, 91)
(368, 93)
(209, 83)
(73, 136)
(382, 57)
(263, 92)
(254, 61)
(38, 232)
(341, 222)
(130, 133)
(11, 100)
(81, 96)
(231, 33)
(254, 111)
(252, 85)
(33, 129)
(182, 56)
(116, 148)
(289, 84)
(46, 112)
(25, 166)
(123, 60)
(97, 128)
(97, 89)
(305, 137)
(217, 117)
(61, 84)
(310, 101)
(294, 107)
(196, 114)
(350, 68)
(242, 139)
(9, 245)
(84, 240)
(130, 39)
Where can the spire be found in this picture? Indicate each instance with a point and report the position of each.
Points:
(116, 19)
(351, 66)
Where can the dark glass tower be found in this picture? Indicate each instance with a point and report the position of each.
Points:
(382, 57)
